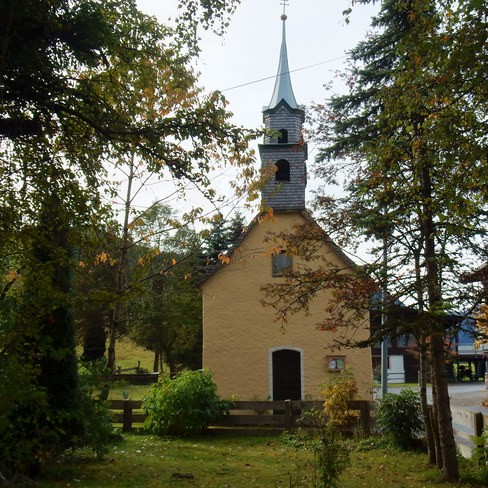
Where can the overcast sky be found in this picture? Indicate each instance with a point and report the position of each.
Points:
(316, 33)
(318, 39)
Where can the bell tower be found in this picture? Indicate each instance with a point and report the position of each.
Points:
(283, 152)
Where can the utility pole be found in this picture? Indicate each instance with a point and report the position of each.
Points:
(384, 299)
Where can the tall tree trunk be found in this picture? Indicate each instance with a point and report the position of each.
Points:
(58, 368)
(444, 420)
(430, 436)
(435, 423)
(170, 360)
(121, 268)
(116, 317)
(156, 361)
(426, 416)
(161, 363)
(450, 467)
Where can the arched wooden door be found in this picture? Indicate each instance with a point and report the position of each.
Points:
(287, 374)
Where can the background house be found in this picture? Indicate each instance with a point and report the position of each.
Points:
(243, 345)
(469, 363)
(466, 363)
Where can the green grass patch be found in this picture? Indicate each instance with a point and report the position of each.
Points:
(134, 392)
(150, 461)
(400, 385)
(127, 355)
(141, 460)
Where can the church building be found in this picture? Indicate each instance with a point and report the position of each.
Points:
(249, 353)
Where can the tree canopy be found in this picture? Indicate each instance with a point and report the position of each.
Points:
(82, 83)
(409, 143)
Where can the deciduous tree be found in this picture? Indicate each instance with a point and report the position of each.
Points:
(68, 72)
(409, 136)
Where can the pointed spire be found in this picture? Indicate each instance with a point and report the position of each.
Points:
(282, 89)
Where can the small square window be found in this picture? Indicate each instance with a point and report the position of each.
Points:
(281, 263)
(335, 363)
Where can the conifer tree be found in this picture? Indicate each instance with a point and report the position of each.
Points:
(221, 236)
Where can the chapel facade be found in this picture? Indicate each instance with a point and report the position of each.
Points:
(250, 354)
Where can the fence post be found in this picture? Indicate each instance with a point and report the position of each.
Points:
(127, 421)
(288, 415)
(478, 423)
(365, 417)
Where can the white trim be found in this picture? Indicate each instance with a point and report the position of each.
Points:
(270, 368)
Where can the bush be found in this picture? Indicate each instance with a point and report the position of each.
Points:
(26, 439)
(29, 428)
(183, 405)
(330, 452)
(399, 418)
(480, 455)
(338, 390)
(332, 457)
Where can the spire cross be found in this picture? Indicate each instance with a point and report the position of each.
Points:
(285, 4)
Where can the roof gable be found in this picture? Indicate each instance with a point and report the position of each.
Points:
(257, 221)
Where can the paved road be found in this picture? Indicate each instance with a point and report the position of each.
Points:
(466, 395)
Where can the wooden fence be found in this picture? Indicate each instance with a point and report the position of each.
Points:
(253, 417)
(135, 378)
(274, 417)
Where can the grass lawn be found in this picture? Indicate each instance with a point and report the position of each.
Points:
(145, 461)
(134, 392)
(127, 355)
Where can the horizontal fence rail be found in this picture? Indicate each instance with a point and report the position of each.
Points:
(265, 416)
(135, 378)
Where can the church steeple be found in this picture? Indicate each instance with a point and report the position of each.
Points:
(283, 89)
(283, 153)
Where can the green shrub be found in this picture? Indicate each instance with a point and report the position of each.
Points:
(331, 457)
(29, 432)
(480, 455)
(330, 452)
(26, 440)
(183, 405)
(399, 418)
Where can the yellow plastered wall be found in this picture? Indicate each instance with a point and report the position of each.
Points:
(239, 333)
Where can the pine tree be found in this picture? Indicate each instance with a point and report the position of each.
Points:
(221, 237)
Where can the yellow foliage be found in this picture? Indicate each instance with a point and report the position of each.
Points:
(224, 258)
(101, 258)
(339, 389)
(11, 276)
(481, 326)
